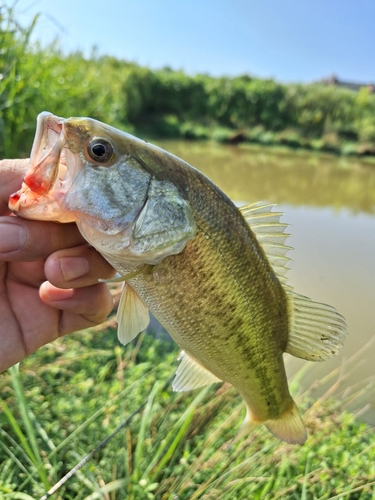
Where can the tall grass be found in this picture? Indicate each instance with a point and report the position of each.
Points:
(35, 78)
(16, 88)
(72, 395)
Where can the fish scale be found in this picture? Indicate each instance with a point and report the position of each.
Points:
(209, 267)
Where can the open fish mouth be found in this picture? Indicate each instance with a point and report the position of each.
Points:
(46, 154)
(46, 179)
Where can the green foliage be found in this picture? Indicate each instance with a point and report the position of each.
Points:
(167, 103)
(72, 394)
(33, 79)
(15, 71)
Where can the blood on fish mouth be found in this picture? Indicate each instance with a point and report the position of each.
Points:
(47, 169)
(48, 162)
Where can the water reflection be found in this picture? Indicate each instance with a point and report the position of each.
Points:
(296, 178)
(329, 202)
(334, 262)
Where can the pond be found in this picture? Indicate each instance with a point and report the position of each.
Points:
(329, 202)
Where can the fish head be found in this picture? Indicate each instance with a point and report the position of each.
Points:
(84, 171)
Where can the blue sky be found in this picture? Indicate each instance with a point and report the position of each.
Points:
(289, 40)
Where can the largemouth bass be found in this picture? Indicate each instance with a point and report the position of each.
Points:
(212, 274)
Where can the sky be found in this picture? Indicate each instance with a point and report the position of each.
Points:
(288, 40)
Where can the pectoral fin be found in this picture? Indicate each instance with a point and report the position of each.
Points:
(132, 315)
(145, 269)
(190, 374)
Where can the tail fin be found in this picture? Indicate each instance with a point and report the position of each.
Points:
(288, 427)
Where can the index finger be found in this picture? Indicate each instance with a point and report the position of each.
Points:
(12, 173)
(30, 240)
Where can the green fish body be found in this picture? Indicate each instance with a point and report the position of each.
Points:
(212, 274)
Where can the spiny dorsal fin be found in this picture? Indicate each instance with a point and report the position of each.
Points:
(269, 231)
(132, 315)
(317, 331)
(191, 375)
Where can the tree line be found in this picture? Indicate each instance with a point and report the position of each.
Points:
(168, 103)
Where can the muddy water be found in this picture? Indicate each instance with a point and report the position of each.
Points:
(330, 204)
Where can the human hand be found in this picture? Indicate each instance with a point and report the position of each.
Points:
(48, 278)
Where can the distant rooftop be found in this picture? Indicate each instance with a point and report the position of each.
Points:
(333, 80)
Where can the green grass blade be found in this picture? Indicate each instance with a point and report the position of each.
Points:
(17, 430)
(24, 410)
(146, 418)
(306, 478)
(97, 414)
(18, 496)
(17, 462)
(108, 488)
(171, 449)
(178, 430)
(29, 427)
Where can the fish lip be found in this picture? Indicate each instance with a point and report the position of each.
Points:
(44, 121)
(46, 158)
(47, 177)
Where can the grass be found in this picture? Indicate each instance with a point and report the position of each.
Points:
(71, 395)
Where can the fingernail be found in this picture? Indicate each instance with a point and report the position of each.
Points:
(12, 237)
(73, 268)
(54, 294)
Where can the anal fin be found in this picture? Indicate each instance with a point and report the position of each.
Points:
(190, 374)
(132, 315)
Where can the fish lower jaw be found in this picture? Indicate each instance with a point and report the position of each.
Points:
(30, 205)
(22, 199)
(28, 200)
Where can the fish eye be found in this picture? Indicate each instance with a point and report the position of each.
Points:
(100, 150)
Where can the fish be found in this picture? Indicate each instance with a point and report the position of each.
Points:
(213, 274)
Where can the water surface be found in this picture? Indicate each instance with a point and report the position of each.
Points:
(330, 203)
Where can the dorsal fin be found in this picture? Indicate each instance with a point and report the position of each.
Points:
(316, 332)
(269, 231)
(190, 374)
(132, 315)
